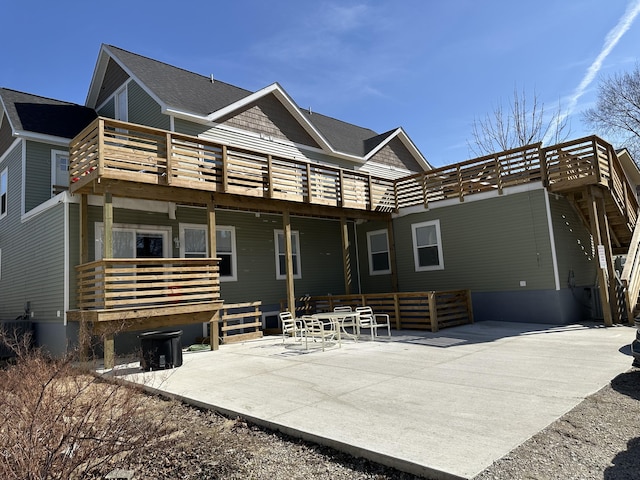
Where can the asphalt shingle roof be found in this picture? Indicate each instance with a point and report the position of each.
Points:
(46, 116)
(178, 88)
(194, 93)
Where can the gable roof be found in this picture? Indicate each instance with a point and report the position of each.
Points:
(198, 98)
(31, 115)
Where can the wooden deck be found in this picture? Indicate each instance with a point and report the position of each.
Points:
(123, 159)
(108, 154)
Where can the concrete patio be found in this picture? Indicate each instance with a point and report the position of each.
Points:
(442, 405)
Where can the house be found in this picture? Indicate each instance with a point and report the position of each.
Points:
(166, 167)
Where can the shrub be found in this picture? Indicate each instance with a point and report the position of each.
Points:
(60, 421)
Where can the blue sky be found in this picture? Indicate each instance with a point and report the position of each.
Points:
(430, 66)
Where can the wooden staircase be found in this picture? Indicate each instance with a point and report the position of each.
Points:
(589, 173)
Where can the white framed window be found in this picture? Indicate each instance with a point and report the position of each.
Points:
(135, 241)
(59, 171)
(3, 192)
(427, 246)
(121, 105)
(193, 244)
(281, 258)
(378, 248)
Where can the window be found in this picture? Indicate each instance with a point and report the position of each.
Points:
(281, 260)
(59, 171)
(3, 193)
(135, 241)
(427, 246)
(193, 244)
(378, 246)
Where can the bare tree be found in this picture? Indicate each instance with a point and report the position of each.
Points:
(617, 111)
(517, 124)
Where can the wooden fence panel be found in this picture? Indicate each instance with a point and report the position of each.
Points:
(411, 310)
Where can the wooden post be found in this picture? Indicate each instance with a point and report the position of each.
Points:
(309, 186)
(392, 256)
(269, 176)
(433, 311)
(84, 229)
(460, 187)
(346, 255)
(107, 220)
(372, 204)
(288, 253)
(544, 171)
(498, 167)
(100, 147)
(211, 226)
(225, 169)
(469, 307)
(214, 335)
(340, 188)
(109, 351)
(396, 305)
(597, 237)
(169, 161)
(606, 241)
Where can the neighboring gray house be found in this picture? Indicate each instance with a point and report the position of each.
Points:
(292, 202)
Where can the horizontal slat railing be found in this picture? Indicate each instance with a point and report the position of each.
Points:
(125, 151)
(489, 173)
(240, 321)
(130, 283)
(412, 310)
(631, 274)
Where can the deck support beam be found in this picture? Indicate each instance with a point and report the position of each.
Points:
(392, 256)
(595, 217)
(346, 255)
(107, 219)
(288, 254)
(211, 226)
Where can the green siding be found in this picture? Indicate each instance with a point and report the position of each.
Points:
(32, 254)
(108, 109)
(371, 283)
(488, 245)
(320, 248)
(574, 248)
(74, 251)
(144, 110)
(38, 174)
(189, 128)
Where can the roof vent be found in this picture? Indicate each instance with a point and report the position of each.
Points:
(212, 81)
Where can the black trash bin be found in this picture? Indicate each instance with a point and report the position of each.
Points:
(161, 350)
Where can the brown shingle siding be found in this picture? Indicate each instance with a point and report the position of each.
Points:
(268, 116)
(396, 154)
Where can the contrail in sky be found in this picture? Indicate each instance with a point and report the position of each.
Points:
(610, 41)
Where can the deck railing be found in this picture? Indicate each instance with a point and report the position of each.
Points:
(144, 282)
(409, 310)
(111, 149)
(490, 173)
(562, 167)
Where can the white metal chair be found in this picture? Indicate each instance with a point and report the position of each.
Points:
(291, 327)
(373, 321)
(348, 321)
(324, 330)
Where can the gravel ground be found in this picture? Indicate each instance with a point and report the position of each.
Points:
(599, 439)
